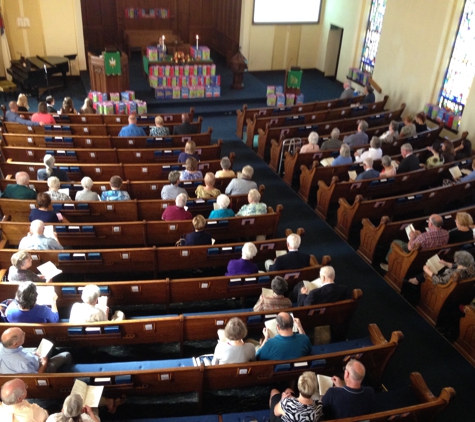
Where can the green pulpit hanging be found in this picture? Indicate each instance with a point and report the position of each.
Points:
(112, 63)
(294, 79)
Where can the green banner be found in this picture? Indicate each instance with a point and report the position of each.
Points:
(294, 79)
(112, 63)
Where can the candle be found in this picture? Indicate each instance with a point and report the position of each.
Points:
(197, 38)
(163, 40)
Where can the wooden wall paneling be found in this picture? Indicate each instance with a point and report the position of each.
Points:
(100, 28)
(183, 19)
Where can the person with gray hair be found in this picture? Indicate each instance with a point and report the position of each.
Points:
(86, 194)
(51, 170)
(19, 271)
(369, 172)
(388, 169)
(348, 398)
(392, 134)
(344, 158)
(312, 145)
(172, 190)
(15, 407)
(410, 162)
(223, 202)
(244, 265)
(89, 310)
(359, 138)
(375, 152)
(226, 168)
(347, 93)
(74, 410)
(36, 240)
(54, 184)
(254, 207)
(21, 189)
(242, 184)
(277, 300)
(177, 211)
(293, 259)
(334, 141)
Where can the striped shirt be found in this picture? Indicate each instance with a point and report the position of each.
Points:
(298, 412)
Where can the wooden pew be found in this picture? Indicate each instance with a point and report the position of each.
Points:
(248, 113)
(114, 129)
(465, 344)
(148, 233)
(435, 296)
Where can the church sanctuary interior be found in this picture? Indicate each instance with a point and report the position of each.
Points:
(250, 80)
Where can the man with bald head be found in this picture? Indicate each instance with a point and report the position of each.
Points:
(13, 116)
(36, 240)
(14, 407)
(21, 190)
(14, 359)
(286, 344)
(186, 128)
(132, 129)
(348, 398)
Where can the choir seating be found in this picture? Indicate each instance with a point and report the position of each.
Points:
(248, 113)
(170, 291)
(148, 233)
(465, 343)
(180, 376)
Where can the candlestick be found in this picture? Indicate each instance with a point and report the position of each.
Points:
(197, 38)
(163, 40)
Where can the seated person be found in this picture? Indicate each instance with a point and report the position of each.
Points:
(392, 134)
(388, 169)
(87, 107)
(159, 129)
(89, 310)
(67, 107)
(410, 162)
(347, 93)
(22, 103)
(292, 260)
(50, 170)
(36, 240)
(177, 211)
(43, 210)
(359, 138)
(223, 211)
(369, 172)
(286, 344)
(50, 104)
(19, 271)
(436, 160)
(464, 150)
(279, 287)
(191, 171)
(43, 115)
(312, 145)
(344, 158)
(190, 151)
(254, 207)
(199, 236)
(287, 407)
(54, 184)
(469, 177)
(14, 359)
(420, 122)
(244, 265)
(369, 98)
(74, 409)
(375, 152)
(208, 190)
(25, 309)
(448, 151)
(186, 128)
(14, 407)
(115, 194)
(86, 194)
(132, 129)
(409, 128)
(12, 116)
(348, 398)
(242, 184)
(226, 168)
(334, 141)
(172, 190)
(463, 231)
(233, 349)
(21, 190)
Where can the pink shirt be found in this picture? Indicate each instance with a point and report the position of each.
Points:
(46, 118)
(309, 148)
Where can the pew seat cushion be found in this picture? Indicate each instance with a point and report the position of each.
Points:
(131, 366)
(342, 345)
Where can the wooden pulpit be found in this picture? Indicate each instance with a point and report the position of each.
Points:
(103, 83)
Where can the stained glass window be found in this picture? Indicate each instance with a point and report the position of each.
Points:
(373, 33)
(461, 70)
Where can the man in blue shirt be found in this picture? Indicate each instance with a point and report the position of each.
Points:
(359, 138)
(468, 178)
(132, 129)
(13, 116)
(369, 172)
(286, 344)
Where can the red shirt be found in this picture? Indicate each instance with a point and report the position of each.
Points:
(46, 118)
(172, 212)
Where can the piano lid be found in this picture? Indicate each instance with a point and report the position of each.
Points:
(50, 61)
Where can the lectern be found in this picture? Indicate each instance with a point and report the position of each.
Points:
(103, 83)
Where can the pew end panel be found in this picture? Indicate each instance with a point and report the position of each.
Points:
(465, 344)
(369, 238)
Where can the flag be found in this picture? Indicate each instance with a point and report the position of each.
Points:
(112, 63)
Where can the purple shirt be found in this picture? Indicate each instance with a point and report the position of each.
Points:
(172, 212)
(241, 266)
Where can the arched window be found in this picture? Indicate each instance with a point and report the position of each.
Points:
(373, 33)
(461, 70)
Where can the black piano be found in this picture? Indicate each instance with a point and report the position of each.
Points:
(34, 74)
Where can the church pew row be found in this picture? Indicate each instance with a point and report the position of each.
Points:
(181, 328)
(148, 233)
(248, 113)
(180, 376)
(402, 264)
(257, 122)
(324, 129)
(88, 141)
(126, 260)
(115, 211)
(141, 189)
(130, 171)
(108, 155)
(381, 236)
(349, 215)
(86, 129)
(169, 291)
(465, 344)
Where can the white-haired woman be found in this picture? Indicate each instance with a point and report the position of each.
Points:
(207, 190)
(51, 170)
(244, 265)
(54, 184)
(312, 145)
(226, 168)
(223, 202)
(254, 207)
(86, 194)
(89, 309)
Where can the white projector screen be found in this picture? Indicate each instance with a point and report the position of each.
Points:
(286, 11)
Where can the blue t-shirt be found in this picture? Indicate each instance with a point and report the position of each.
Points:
(281, 348)
(340, 161)
(115, 195)
(221, 213)
(132, 130)
(39, 313)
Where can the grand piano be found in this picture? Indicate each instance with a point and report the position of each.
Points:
(34, 74)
